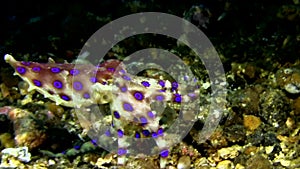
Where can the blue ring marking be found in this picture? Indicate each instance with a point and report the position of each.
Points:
(174, 85)
(108, 133)
(93, 79)
(55, 70)
(138, 96)
(77, 147)
(86, 96)
(120, 133)
(127, 107)
(116, 114)
(21, 70)
(137, 135)
(74, 72)
(143, 120)
(57, 84)
(126, 77)
(37, 82)
(192, 95)
(110, 69)
(160, 132)
(36, 69)
(123, 89)
(145, 83)
(177, 98)
(150, 114)
(161, 83)
(25, 63)
(77, 85)
(154, 135)
(122, 71)
(159, 98)
(146, 133)
(94, 142)
(164, 153)
(65, 97)
(122, 151)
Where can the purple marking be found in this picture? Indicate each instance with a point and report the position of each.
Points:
(55, 69)
(110, 69)
(74, 72)
(162, 90)
(126, 77)
(64, 97)
(122, 71)
(94, 142)
(37, 83)
(164, 153)
(185, 78)
(116, 114)
(161, 83)
(143, 120)
(108, 133)
(122, 151)
(77, 85)
(120, 133)
(77, 147)
(127, 107)
(36, 69)
(192, 94)
(86, 96)
(25, 63)
(145, 83)
(159, 98)
(137, 135)
(146, 133)
(177, 98)
(136, 120)
(174, 85)
(93, 79)
(160, 132)
(154, 135)
(150, 114)
(123, 89)
(57, 84)
(138, 96)
(21, 70)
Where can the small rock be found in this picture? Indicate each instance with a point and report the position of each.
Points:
(21, 153)
(226, 164)
(184, 162)
(251, 122)
(258, 161)
(229, 152)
